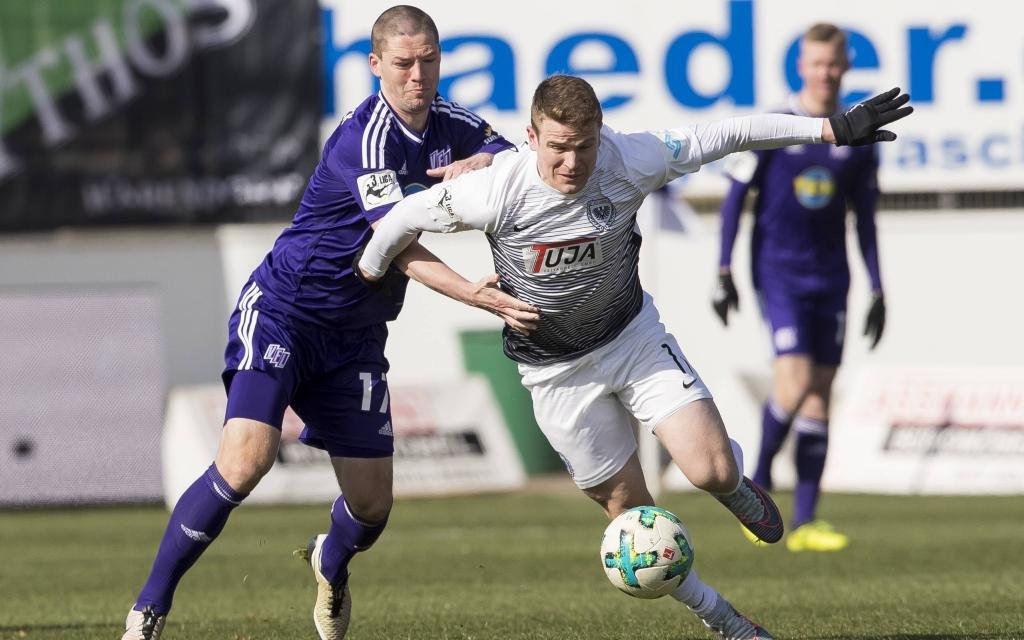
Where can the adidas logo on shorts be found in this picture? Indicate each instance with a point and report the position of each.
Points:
(386, 430)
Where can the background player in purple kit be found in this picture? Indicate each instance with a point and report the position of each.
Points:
(802, 277)
(308, 333)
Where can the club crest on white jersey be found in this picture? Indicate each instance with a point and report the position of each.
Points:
(559, 257)
(600, 212)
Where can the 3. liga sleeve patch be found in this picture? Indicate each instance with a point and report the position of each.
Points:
(380, 187)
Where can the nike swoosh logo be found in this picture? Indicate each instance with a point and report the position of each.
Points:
(516, 227)
(680, 366)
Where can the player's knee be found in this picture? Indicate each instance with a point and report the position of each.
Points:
(602, 497)
(818, 399)
(791, 392)
(371, 508)
(247, 452)
(718, 475)
(243, 473)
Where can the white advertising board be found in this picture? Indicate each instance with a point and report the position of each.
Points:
(663, 63)
(931, 430)
(449, 438)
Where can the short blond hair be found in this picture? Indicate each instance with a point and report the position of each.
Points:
(568, 100)
(401, 20)
(826, 32)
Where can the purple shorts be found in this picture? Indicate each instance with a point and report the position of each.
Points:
(812, 324)
(334, 380)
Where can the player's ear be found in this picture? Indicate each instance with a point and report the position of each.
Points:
(375, 63)
(531, 137)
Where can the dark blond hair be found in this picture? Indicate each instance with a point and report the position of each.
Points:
(826, 32)
(401, 20)
(568, 100)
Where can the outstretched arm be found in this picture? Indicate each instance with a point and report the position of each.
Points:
(858, 126)
(765, 131)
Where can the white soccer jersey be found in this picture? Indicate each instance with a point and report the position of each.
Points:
(573, 256)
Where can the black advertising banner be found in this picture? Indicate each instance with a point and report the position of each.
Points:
(156, 111)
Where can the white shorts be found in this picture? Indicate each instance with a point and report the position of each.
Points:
(586, 406)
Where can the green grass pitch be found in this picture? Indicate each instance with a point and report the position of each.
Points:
(525, 566)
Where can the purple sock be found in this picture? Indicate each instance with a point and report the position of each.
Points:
(811, 447)
(348, 534)
(197, 519)
(775, 423)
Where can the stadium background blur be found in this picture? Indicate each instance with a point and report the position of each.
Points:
(150, 151)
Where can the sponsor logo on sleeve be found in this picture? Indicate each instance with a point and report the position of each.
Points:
(380, 187)
(446, 212)
(560, 257)
(675, 145)
(490, 135)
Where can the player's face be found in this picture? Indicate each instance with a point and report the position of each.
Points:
(565, 156)
(409, 68)
(821, 66)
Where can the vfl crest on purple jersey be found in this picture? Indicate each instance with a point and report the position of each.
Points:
(440, 158)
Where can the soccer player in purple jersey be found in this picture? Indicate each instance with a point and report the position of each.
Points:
(801, 275)
(308, 333)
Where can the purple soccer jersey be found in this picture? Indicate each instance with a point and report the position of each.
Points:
(306, 331)
(370, 162)
(799, 262)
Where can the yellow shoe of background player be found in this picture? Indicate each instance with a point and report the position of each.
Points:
(758, 542)
(816, 535)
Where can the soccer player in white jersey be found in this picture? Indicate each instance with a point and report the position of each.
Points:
(561, 220)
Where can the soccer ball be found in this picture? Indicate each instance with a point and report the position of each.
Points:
(646, 552)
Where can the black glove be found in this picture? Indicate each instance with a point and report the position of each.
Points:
(874, 324)
(725, 297)
(860, 125)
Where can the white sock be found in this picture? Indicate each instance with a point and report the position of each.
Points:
(696, 595)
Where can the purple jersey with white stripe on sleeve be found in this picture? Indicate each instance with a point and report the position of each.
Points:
(370, 162)
(803, 195)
